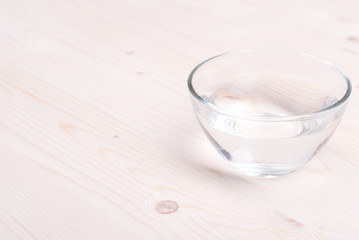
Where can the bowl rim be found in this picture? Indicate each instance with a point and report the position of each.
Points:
(268, 118)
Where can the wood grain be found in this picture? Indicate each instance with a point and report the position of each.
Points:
(98, 138)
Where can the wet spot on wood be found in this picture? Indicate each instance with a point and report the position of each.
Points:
(166, 207)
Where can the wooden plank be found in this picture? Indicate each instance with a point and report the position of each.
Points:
(98, 139)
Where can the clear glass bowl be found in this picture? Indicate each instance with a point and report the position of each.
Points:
(267, 112)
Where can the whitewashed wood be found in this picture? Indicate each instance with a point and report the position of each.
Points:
(96, 128)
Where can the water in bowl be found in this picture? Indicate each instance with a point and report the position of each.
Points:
(264, 148)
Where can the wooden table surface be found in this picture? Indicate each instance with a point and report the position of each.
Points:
(99, 141)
